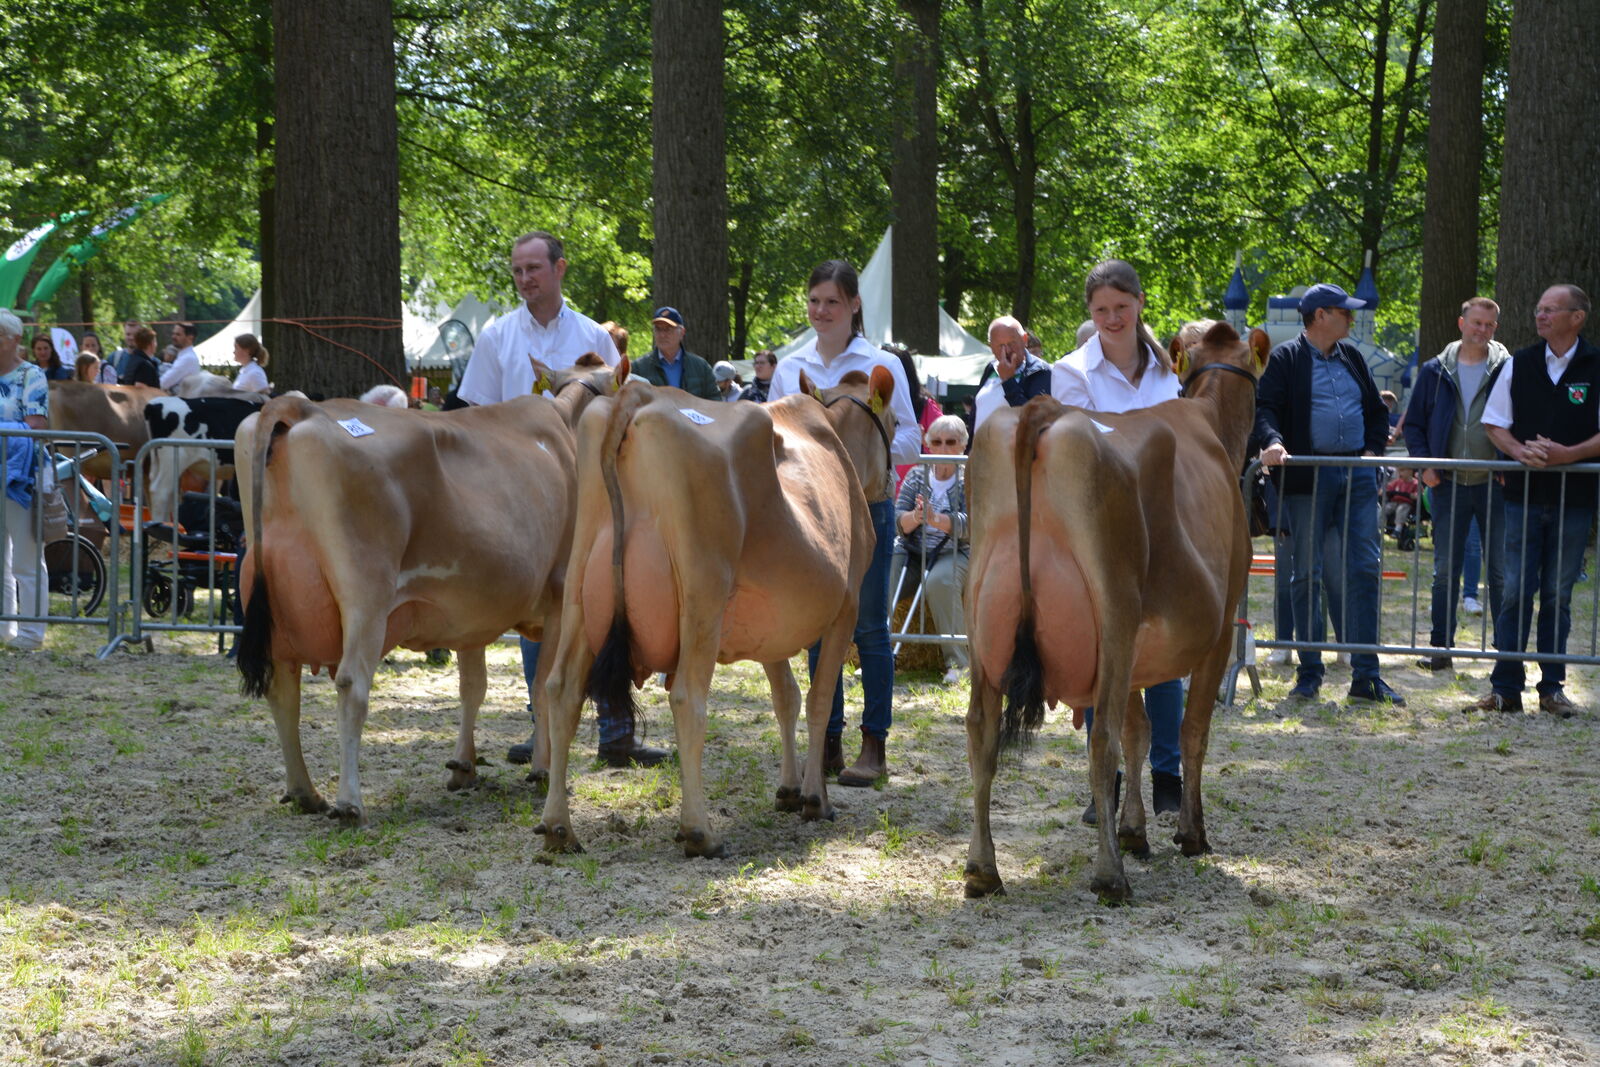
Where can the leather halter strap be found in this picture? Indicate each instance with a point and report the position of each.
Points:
(877, 423)
(1187, 382)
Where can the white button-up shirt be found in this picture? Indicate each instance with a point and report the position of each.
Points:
(1085, 378)
(499, 367)
(1497, 409)
(182, 366)
(862, 355)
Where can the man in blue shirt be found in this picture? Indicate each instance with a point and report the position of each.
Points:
(669, 363)
(1317, 398)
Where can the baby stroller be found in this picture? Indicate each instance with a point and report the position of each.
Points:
(197, 559)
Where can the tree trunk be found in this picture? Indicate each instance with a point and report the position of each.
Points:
(86, 301)
(914, 182)
(1455, 160)
(1549, 213)
(267, 235)
(741, 311)
(336, 239)
(690, 253)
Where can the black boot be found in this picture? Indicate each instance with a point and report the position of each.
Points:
(626, 750)
(870, 765)
(523, 753)
(1166, 792)
(832, 754)
(1092, 818)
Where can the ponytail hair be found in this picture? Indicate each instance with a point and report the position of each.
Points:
(1120, 275)
(253, 346)
(842, 274)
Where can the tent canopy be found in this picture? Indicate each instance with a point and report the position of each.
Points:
(217, 350)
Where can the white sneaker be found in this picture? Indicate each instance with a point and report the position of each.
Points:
(1280, 657)
(1471, 606)
(952, 676)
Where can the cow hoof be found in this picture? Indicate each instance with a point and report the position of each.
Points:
(305, 803)
(1192, 844)
(1134, 842)
(984, 881)
(348, 814)
(558, 838)
(817, 809)
(463, 775)
(539, 777)
(788, 798)
(1111, 890)
(697, 844)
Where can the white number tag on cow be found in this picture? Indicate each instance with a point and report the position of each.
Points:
(356, 428)
(694, 416)
(1102, 427)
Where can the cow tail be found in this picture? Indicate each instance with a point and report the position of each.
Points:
(255, 642)
(1023, 681)
(610, 683)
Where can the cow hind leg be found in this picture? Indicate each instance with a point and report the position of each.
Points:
(825, 676)
(1192, 739)
(283, 697)
(786, 706)
(463, 766)
(983, 753)
(563, 693)
(353, 681)
(1131, 836)
(690, 686)
(1108, 880)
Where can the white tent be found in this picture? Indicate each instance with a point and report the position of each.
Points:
(961, 357)
(429, 346)
(217, 350)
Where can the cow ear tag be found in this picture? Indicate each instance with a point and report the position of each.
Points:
(817, 393)
(876, 404)
(1180, 366)
(543, 384)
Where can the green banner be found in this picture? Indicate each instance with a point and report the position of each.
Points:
(84, 250)
(19, 257)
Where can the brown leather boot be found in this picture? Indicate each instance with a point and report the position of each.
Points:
(832, 754)
(870, 765)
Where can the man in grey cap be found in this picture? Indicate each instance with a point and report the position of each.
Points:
(669, 363)
(728, 383)
(1317, 398)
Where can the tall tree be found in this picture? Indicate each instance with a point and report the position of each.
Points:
(336, 190)
(690, 179)
(914, 179)
(1455, 160)
(1549, 213)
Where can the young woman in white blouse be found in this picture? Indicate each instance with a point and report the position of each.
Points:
(251, 356)
(1121, 368)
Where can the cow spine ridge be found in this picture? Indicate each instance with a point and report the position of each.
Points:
(610, 680)
(1023, 681)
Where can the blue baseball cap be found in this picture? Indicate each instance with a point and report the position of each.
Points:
(1327, 295)
(669, 316)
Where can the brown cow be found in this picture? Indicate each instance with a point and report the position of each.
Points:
(116, 411)
(709, 533)
(1129, 532)
(433, 530)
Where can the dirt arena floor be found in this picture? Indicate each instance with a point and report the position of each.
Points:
(1395, 886)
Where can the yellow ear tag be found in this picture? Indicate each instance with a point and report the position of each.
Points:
(1181, 364)
(817, 393)
(543, 384)
(876, 404)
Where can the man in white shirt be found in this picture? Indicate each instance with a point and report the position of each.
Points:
(545, 328)
(186, 362)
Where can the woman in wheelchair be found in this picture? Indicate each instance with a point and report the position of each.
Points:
(931, 519)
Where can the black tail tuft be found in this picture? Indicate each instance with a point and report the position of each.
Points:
(255, 643)
(610, 682)
(1023, 685)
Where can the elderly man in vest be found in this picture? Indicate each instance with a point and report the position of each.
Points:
(1544, 411)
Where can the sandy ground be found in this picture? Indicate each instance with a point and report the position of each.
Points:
(1406, 886)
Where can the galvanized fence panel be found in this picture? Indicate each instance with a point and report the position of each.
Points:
(1406, 575)
(71, 578)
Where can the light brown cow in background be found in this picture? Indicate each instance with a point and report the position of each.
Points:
(373, 528)
(709, 533)
(1109, 553)
(116, 411)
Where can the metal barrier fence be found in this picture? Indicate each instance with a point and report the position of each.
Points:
(1406, 623)
(58, 574)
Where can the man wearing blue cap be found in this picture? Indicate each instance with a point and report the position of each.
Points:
(669, 363)
(1317, 398)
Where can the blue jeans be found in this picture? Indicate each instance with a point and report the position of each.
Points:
(1455, 507)
(871, 637)
(1472, 558)
(1163, 705)
(1334, 536)
(1544, 553)
(612, 727)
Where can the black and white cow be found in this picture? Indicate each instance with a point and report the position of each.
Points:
(212, 418)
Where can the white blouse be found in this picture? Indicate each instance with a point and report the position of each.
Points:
(1085, 378)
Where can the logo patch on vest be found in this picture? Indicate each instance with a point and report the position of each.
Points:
(1578, 393)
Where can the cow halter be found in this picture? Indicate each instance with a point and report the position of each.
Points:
(1217, 366)
(877, 423)
(583, 381)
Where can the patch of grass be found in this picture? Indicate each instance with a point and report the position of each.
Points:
(1484, 851)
